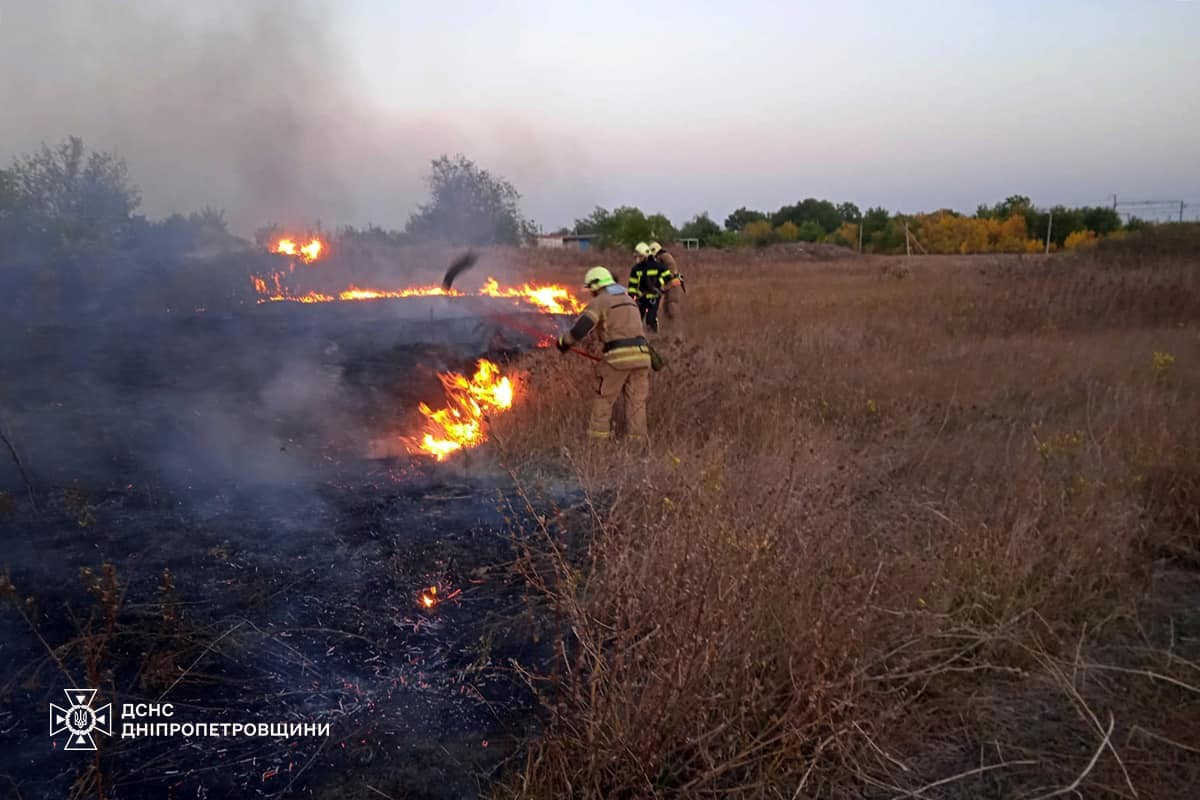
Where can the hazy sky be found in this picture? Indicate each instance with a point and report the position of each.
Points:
(306, 111)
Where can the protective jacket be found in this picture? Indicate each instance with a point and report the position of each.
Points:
(614, 316)
(648, 277)
(670, 276)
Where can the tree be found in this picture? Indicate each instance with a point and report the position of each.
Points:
(8, 204)
(787, 232)
(69, 199)
(874, 222)
(661, 229)
(759, 233)
(469, 206)
(848, 212)
(811, 231)
(1013, 204)
(821, 212)
(593, 223)
(625, 227)
(703, 228)
(1101, 219)
(738, 220)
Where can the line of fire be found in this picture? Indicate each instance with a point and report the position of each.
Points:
(470, 398)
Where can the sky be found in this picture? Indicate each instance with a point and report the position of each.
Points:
(304, 112)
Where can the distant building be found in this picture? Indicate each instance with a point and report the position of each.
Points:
(567, 241)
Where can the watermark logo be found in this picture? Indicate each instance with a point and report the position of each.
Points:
(79, 719)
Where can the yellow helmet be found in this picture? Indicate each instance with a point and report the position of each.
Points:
(642, 249)
(655, 248)
(597, 278)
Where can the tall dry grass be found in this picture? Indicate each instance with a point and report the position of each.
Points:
(898, 535)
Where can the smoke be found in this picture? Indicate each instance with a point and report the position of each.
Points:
(250, 107)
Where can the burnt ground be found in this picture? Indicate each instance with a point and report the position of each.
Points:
(263, 568)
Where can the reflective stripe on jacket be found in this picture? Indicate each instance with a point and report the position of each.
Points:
(648, 277)
(614, 316)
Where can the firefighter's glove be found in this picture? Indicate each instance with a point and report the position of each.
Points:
(562, 345)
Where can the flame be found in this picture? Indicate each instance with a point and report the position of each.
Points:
(552, 299)
(549, 298)
(429, 597)
(309, 252)
(460, 424)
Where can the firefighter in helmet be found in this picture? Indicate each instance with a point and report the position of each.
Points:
(625, 369)
(645, 285)
(672, 287)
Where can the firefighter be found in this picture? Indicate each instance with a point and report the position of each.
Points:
(673, 288)
(625, 369)
(645, 285)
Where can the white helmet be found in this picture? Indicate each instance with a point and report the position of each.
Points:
(642, 249)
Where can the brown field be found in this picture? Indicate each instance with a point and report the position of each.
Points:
(911, 527)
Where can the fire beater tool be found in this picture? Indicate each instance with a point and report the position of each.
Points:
(457, 267)
(536, 333)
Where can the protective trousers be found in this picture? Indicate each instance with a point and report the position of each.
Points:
(672, 301)
(611, 383)
(648, 306)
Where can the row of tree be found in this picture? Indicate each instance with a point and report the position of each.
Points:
(63, 199)
(1014, 225)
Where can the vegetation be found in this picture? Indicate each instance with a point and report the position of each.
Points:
(880, 553)
(65, 199)
(468, 205)
(625, 226)
(1012, 226)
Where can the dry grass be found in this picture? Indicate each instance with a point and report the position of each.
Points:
(892, 507)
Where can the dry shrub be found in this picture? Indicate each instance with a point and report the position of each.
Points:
(867, 500)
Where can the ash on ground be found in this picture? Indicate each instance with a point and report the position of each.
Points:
(264, 570)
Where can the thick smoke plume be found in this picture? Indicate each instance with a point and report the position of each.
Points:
(250, 107)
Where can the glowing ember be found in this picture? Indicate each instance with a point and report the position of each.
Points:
(430, 597)
(309, 252)
(469, 400)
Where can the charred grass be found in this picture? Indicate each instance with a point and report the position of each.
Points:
(915, 527)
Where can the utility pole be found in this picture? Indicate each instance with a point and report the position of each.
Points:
(1049, 226)
(907, 246)
(1181, 205)
(860, 236)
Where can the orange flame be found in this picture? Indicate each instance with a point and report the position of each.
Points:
(460, 424)
(429, 597)
(550, 298)
(309, 252)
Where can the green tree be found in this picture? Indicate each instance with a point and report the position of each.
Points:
(593, 223)
(703, 228)
(848, 212)
(875, 222)
(739, 219)
(811, 231)
(69, 199)
(1101, 219)
(8, 204)
(468, 205)
(661, 229)
(1013, 204)
(626, 226)
(822, 212)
